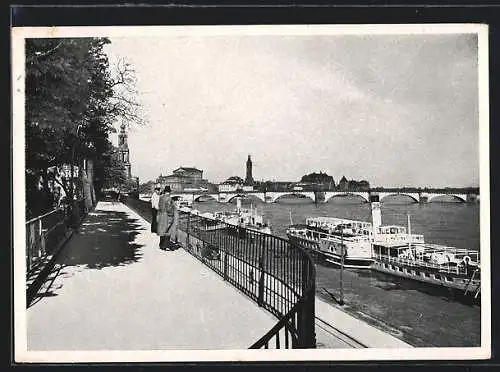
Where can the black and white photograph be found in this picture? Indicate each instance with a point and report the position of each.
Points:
(248, 193)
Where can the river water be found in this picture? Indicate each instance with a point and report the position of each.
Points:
(421, 315)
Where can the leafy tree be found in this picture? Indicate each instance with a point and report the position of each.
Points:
(145, 188)
(73, 99)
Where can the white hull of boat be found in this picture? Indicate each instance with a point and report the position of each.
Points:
(350, 262)
(418, 273)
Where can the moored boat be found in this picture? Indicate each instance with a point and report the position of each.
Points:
(430, 263)
(340, 241)
(398, 252)
(241, 222)
(393, 250)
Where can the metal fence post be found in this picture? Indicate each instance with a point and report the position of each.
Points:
(188, 226)
(306, 326)
(260, 299)
(225, 262)
(41, 245)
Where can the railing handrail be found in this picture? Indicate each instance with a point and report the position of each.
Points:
(276, 328)
(34, 219)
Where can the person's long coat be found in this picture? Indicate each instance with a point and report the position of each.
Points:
(165, 215)
(155, 198)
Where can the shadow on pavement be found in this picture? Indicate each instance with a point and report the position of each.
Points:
(105, 238)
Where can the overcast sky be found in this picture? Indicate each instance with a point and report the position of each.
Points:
(394, 110)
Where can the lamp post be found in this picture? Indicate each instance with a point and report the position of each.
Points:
(342, 254)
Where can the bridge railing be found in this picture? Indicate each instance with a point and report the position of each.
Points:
(277, 275)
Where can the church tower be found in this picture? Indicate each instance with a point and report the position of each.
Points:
(249, 177)
(123, 151)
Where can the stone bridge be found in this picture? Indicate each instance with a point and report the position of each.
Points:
(424, 197)
(323, 196)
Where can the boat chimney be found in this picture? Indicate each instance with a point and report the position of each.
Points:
(376, 213)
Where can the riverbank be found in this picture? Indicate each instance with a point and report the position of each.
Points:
(415, 313)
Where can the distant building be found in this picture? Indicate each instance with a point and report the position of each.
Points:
(353, 185)
(234, 184)
(359, 185)
(249, 177)
(184, 178)
(281, 186)
(317, 181)
(343, 184)
(308, 186)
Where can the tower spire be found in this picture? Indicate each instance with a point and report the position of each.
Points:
(249, 177)
(124, 150)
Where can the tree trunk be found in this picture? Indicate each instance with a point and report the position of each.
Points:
(90, 175)
(84, 179)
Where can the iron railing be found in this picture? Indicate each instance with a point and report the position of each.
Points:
(278, 275)
(41, 234)
(44, 236)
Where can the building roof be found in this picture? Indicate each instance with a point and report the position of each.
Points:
(188, 169)
(233, 180)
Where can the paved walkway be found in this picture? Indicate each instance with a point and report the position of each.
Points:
(113, 289)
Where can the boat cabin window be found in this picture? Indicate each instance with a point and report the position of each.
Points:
(417, 272)
(437, 276)
(393, 252)
(427, 275)
(448, 279)
(400, 269)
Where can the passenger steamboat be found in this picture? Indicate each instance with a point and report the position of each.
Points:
(394, 250)
(341, 241)
(241, 221)
(398, 252)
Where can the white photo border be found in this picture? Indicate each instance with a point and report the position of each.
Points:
(22, 355)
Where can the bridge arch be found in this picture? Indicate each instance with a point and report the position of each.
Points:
(232, 196)
(411, 196)
(462, 198)
(358, 195)
(256, 195)
(295, 193)
(197, 197)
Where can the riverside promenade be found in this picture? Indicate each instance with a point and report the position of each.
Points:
(112, 288)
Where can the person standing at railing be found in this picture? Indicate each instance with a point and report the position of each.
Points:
(165, 219)
(155, 199)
